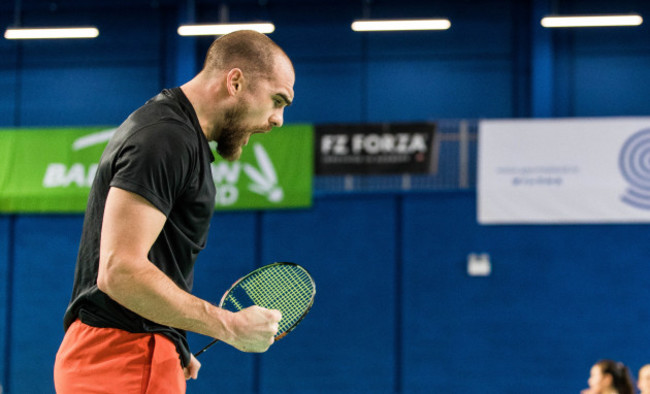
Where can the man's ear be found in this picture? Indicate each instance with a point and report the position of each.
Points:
(235, 81)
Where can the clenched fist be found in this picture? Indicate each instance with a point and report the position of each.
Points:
(253, 329)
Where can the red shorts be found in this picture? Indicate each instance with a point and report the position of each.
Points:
(109, 360)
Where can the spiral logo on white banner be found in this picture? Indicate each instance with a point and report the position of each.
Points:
(634, 163)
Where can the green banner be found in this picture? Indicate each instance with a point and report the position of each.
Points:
(51, 170)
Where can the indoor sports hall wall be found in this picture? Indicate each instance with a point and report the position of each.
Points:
(496, 60)
(395, 309)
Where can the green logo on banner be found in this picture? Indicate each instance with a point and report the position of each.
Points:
(51, 170)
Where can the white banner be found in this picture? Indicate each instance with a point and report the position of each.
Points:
(578, 170)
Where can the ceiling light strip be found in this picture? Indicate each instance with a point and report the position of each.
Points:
(224, 28)
(50, 33)
(591, 20)
(401, 25)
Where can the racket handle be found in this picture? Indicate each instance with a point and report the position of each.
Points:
(205, 348)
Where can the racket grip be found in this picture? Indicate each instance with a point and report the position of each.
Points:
(205, 348)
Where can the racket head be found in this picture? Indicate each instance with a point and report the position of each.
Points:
(285, 286)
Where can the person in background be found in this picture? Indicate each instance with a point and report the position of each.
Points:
(609, 377)
(643, 382)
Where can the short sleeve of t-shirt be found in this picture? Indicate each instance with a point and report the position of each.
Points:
(155, 162)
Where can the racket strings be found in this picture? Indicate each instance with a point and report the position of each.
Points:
(286, 288)
(283, 286)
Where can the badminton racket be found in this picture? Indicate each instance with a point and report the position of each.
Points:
(284, 286)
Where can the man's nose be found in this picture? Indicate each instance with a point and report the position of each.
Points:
(276, 119)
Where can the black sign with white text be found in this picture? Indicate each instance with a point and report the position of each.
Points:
(399, 148)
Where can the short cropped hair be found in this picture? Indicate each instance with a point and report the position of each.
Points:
(252, 52)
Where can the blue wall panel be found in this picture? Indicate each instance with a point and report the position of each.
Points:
(461, 72)
(84, 96)
(614, 79)
(559, 298)
(327, 92)
(90, 82)
(8, 68)
(309, 23)
(8, 98)
(229, 254)
(439, 88)
(346, 343)
(602, 72)
(4, 294)
(439, 318)
(482, 67)
(45, 254)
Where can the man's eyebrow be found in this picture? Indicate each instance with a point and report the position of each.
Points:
(284, 98)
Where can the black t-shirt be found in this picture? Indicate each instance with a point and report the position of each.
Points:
(161, 154)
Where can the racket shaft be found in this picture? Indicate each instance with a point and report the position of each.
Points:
(205, 348)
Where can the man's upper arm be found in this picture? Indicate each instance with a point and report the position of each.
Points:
(130, 226)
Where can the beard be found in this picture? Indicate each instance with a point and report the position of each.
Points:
(230, 141)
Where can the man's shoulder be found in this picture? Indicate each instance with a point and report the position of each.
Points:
(163, 108)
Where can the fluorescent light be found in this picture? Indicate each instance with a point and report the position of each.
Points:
(592, 20)
(20, 33)
(224, 28)
(397, 25)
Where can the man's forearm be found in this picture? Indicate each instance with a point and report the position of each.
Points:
(142, 288)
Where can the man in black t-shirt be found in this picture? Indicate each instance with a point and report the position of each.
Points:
(147, 218)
